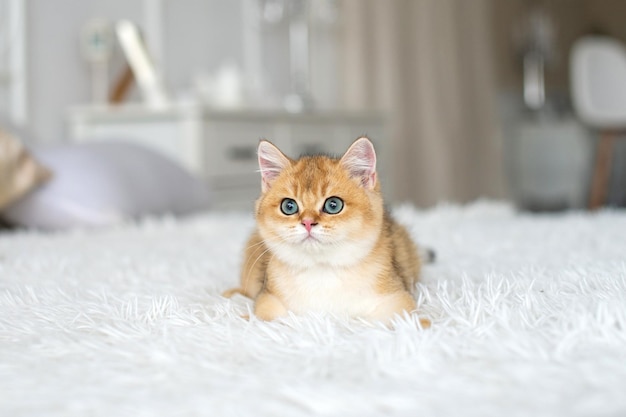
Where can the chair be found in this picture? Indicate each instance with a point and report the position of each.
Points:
(598, 87)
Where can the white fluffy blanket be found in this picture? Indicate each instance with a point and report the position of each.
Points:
(528, 312)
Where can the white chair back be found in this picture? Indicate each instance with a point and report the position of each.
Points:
(598, 82)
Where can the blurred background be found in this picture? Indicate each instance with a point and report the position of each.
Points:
(463, 99)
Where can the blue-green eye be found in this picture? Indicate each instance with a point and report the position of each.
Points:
(333, 205)
(289, 207)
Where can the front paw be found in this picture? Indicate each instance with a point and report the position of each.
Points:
(232, 292)
(425, 323)
(268, 307)
(393, 306)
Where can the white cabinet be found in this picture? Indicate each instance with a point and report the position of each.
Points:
(220, 146)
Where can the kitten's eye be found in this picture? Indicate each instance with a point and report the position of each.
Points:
(289, 207)
(333, 205)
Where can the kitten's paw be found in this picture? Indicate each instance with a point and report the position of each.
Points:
(392, 306)
(389, 323)
(425, 323)
(268, 307)
(232, 292)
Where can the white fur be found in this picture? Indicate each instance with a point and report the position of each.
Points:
(329, 289)
(528, 312)
(328, 248)
(321, 278)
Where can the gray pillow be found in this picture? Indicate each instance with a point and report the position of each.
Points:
(105, 183)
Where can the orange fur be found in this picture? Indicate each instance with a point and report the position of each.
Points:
(358, 262)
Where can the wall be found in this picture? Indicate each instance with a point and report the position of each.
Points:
(198, 36)
(58, 77)
(573, 18)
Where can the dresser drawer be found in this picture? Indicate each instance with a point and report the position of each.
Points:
(232, 149)
(235, 197)
(307, 139)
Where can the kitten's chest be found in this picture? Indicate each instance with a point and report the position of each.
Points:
(325, 289)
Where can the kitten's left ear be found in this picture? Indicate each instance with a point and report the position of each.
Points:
(360, 161)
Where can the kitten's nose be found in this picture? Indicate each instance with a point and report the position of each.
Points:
(308, 224)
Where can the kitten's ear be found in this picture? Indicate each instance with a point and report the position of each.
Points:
(360, 161)
(271, 163)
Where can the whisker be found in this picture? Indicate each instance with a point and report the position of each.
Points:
(256, 244)
(245, 287)
(257, 259)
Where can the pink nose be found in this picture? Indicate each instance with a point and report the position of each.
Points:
(308, 224)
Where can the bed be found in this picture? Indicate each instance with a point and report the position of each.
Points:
(528, 317)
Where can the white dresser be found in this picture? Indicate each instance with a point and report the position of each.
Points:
(220, 146)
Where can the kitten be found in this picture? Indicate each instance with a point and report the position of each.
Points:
(324, 241)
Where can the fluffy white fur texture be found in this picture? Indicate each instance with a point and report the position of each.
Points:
(528, 312)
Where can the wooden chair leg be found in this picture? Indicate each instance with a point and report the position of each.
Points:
(602, 170)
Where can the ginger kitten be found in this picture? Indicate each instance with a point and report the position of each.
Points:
(324, 242)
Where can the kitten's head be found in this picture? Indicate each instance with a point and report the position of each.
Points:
(319, 209)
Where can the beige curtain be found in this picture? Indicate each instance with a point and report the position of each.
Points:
(428, 64)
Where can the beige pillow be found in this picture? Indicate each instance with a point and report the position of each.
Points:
(19, 172)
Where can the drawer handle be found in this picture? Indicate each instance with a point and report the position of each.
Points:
(242, 153)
